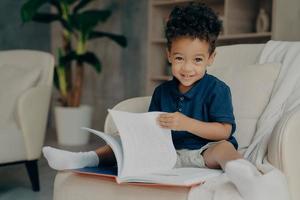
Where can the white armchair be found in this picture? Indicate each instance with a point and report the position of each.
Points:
(281, 150)
(25, 90)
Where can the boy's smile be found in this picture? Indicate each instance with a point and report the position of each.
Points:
(189, 58)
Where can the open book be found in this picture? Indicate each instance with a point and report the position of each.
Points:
(145, 153)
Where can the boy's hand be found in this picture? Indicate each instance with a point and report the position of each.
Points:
(175, 121)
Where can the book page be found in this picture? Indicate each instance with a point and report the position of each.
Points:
(146, 146)
(175, 176)
(114, 142)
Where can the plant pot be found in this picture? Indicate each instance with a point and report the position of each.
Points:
(68, 122)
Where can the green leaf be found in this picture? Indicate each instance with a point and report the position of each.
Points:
(30, 8)
(91, 59)
(66, 25)
(87, 20)
(45, 17)
(87, 57)
(119, 39)
(66, 59)
(81, 5)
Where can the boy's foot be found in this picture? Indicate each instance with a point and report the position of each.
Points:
(61, 160)
(253, 185)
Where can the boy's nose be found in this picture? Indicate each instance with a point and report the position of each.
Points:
(187, 66)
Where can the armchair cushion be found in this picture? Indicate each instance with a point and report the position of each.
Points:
(14, 80)
(251, 88)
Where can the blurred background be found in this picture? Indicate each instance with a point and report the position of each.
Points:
(133, 70)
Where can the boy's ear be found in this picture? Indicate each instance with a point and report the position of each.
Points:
(168, 55)
(212, 58)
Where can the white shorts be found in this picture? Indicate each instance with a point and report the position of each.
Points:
(192, 158)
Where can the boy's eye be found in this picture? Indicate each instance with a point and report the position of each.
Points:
(178, 58)
(197, 60)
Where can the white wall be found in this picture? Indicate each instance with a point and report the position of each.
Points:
(286, 20)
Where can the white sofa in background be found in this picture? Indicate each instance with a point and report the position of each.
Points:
(251, 86)
(25, 90)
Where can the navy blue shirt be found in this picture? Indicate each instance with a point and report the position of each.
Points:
(209, 100)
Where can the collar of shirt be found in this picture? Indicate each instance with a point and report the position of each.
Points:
(191, 92)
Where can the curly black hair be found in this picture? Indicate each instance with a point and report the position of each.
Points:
(196, 20)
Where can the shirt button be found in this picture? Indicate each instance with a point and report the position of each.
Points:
(180, 109)
(181, 98)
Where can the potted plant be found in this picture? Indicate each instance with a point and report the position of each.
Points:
(78, 27)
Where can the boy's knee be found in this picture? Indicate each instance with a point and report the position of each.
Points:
(221, 148)
(222, 145)
(210, 159)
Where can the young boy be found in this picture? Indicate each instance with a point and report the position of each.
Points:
(198, 105)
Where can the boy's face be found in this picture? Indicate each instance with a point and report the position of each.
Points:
(189, 58)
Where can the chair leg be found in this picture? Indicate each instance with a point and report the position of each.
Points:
(32, 170)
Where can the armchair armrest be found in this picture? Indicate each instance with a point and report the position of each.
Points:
(283, 149)
(32, 113)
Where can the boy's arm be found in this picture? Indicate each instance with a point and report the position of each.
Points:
(208, 130)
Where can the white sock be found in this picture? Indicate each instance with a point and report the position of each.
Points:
(61, 160)
(252, 184)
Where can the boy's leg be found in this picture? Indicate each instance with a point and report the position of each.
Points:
(106, 155)
(219, 154)
(61, 159)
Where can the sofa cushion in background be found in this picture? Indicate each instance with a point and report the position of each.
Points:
(251, 88)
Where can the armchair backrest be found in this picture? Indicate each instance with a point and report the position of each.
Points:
(251, 85)
(20, 71)
(137, 104)
(238, 55)
(31, 58)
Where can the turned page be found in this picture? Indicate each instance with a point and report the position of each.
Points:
(146, 146)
